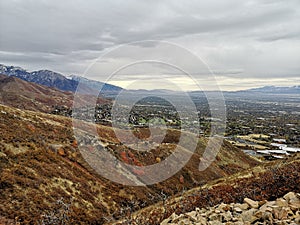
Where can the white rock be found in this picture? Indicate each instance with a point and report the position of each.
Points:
(251, 203)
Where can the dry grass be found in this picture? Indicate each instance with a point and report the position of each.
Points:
(40, 164)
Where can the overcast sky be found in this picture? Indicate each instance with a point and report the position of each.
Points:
(245, 43)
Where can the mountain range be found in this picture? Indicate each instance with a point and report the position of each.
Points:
(274, 89)
(56, 80)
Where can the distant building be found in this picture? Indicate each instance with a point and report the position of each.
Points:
(279, 140)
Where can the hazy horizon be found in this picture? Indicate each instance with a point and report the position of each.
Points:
(145, 87)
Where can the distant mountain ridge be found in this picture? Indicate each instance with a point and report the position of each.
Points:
(276, 90)
(104, 87)
(56, 80)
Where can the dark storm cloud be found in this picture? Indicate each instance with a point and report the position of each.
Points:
(256, 38)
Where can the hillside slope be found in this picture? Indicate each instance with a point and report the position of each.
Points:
(42, 172)
(25, 95)
(30, 96)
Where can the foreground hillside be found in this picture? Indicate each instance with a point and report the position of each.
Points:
(43, 176)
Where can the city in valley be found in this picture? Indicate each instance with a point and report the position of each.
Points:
(267, 128)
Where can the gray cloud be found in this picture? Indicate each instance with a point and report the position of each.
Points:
(238, 39)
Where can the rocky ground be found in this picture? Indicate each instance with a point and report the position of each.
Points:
(285, 210)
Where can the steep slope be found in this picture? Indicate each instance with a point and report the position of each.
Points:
(97, 85)
(42, 170)
(30, 96)
(25, 95)
(51, 79)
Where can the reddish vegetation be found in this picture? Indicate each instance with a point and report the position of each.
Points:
(74, 144)
(138, 171)
(31, 127)
(181, 179)
(129, 158)
(124, 157)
